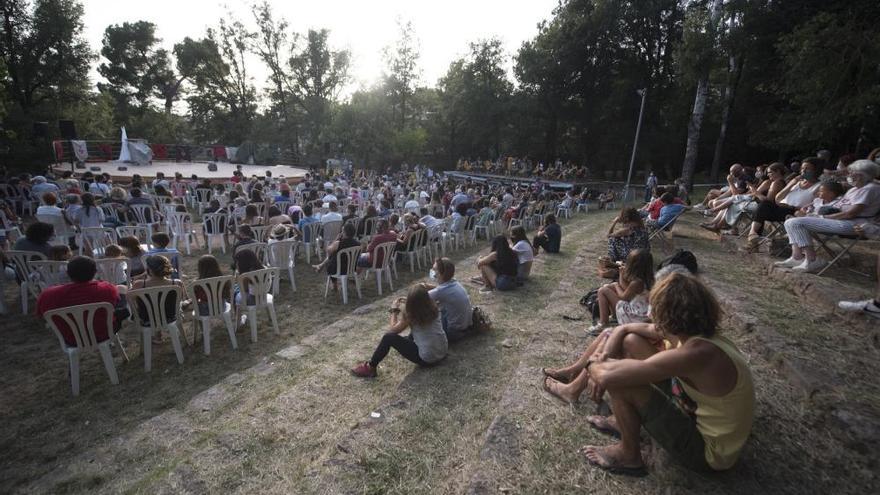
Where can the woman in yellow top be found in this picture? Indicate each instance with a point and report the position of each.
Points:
(696, 400)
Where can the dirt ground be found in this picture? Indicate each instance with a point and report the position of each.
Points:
(284, 416)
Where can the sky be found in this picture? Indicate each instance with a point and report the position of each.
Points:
(365, 27)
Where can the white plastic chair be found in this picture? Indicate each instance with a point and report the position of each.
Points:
(261, 232)
(45, 274)
(415, 249)
(282, 255)
(261, 249)
(203, 198)
(143, 233)
(80, 320)
(311, 231)
(63, 231)
(113, 270)
(386, 252)
(154, 301)
(350, 257)
(98, 238)
(329, 234)
(181, 228)
(259, 284)
(214, 226)
(145, 216)
(585, 207)
(218, 304)
(24, 272)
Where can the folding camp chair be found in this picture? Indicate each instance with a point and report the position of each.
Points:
(660, 232)
(837, 246)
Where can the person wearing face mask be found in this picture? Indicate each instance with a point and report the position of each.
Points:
(798, 193)
(860, 204)
(452, 299)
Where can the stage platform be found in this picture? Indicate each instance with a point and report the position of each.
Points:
(169, 168)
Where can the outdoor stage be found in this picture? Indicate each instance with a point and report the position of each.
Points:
(169, 168)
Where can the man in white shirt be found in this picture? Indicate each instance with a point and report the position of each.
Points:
(333, 215)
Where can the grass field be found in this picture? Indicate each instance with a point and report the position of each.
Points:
(283, 415)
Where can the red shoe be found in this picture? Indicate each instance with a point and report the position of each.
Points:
(364, 370)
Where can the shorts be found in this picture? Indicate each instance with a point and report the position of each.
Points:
(505, 282)
(364, 261)
(673, 428)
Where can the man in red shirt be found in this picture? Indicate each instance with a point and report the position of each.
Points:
(384, 235)
(82, 290)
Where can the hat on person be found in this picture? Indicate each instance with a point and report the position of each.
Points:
(278, 232)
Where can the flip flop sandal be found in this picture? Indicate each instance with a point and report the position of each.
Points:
(558, 378)
(603, 429)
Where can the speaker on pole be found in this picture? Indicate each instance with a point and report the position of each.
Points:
(67, 128)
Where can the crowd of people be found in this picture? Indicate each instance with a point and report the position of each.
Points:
(525, 167)
(657, 358)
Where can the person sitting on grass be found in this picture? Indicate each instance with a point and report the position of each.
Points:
(455, 306)
(524, 252)
(633, 235)
(627, 298)
(499, 268)
(426, 344)
(549, 236)
(696, 400)
(631, 340)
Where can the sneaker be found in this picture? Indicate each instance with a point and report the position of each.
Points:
(868, 307)
(486, 290)
(596, 329)
(789, 263)
(808, 267)
(364, 370)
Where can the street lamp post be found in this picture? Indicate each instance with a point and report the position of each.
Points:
(643, 93)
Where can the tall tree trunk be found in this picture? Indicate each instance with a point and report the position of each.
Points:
(695, 126)
(734, 71)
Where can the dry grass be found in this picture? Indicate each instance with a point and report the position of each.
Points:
(251, 420)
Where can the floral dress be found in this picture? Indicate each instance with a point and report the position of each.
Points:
(620, 247)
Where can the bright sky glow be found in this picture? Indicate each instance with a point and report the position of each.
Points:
(444, 28)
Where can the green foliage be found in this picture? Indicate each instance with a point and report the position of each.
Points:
(806, 74)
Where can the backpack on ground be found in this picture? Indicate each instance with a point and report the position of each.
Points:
(480, 320)
(591, 302)
(681, 257)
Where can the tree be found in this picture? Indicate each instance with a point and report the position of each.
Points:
(318, 75)
(702, 35)
(135, 69)
(403, 70)
(274, 47)
(44, 54)
(222, 100)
